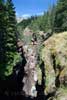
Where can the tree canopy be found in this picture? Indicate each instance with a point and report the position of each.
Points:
(8, 29)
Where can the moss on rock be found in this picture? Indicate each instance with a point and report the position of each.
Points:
(54, 55)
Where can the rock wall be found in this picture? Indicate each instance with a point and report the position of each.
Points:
(45, 72)
(30, 77)
(54, 55)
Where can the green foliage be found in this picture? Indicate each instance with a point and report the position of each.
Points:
(45, 22)
(15, 58)
(6, 69)
(35, 24)
(27, 39)
(23, 24)
(8, 29)
(2, 33)
(61, 16)
(54, 20)
(26, 22)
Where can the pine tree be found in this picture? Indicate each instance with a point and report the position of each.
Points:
(61, 16)
(8, 54)
(3, 58)
(11, 37)
(11, 24)
(52, 18)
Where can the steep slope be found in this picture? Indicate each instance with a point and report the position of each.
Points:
(54, 55)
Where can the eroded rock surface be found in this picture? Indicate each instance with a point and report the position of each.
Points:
(30, 77)
(54, 55)
(48, 70)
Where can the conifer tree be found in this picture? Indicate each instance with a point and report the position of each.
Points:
(8, 29)
(61, 16)
(3, 57)
(11, 24)
(11, 28)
